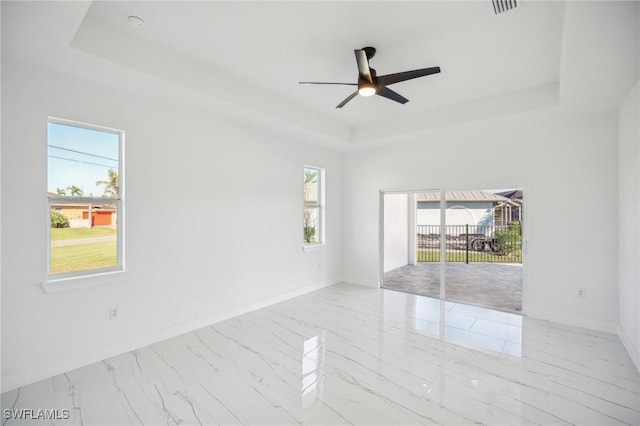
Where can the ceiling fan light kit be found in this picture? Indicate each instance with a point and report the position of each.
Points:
(370, 84)
(366, 89)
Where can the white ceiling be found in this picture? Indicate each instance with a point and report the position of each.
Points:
(253, 54)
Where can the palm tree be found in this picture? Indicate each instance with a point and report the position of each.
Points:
(310, 177)
(112, 188)
(61, 191)
(74, 190)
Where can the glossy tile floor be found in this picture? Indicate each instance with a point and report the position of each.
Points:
(352, 355)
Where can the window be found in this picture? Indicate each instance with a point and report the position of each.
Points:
(313, 227)
(84, 182)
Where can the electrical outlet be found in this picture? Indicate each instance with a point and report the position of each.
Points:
(582, 293)
(114, 313)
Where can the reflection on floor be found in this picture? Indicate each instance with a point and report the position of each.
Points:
(493, 285)
(354, 355)
(468, 325)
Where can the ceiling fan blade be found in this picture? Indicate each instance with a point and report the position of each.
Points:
(351, 96)
(320, 82)
(363, 65)
(388, 79)
(390, 94)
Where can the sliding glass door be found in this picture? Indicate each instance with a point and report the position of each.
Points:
(463, 246)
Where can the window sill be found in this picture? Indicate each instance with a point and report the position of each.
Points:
(313, 247)
(58, 285)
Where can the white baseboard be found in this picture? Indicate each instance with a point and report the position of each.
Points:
(22, 378)
(575, 321)
(632, 350)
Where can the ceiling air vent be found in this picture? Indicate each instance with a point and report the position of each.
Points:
(500, 6)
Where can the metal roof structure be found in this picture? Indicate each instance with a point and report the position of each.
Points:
(459, 196)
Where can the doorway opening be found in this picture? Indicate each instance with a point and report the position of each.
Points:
(459, 246)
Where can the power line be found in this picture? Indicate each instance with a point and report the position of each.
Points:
(80, 161)
(81, 152)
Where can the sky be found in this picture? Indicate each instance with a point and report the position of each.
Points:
(81, 157)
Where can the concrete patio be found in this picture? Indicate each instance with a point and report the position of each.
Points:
(492, 285)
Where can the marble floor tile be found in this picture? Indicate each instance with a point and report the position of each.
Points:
(496, 329)
(488, 314)
(353, 355)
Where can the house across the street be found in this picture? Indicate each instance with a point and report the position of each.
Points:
(467, 208)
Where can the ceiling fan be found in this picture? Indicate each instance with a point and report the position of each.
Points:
(370, 84)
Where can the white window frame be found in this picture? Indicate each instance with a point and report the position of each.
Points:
(320, 206)
(118, 202)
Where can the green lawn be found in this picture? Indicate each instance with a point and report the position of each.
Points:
(474, 256)
(82, 257)
(70, 233)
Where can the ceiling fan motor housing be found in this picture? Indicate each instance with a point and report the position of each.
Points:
(365, 87)
(369, 51)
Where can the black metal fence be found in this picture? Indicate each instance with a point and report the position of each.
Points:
(471, 243)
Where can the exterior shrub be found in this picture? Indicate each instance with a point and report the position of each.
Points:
(58, 220)
(309, 233)
(509, 240)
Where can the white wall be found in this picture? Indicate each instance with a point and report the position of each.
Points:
(564, 168)
(396, 231)
(1, 239)
(629, 217)
(194, 252)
